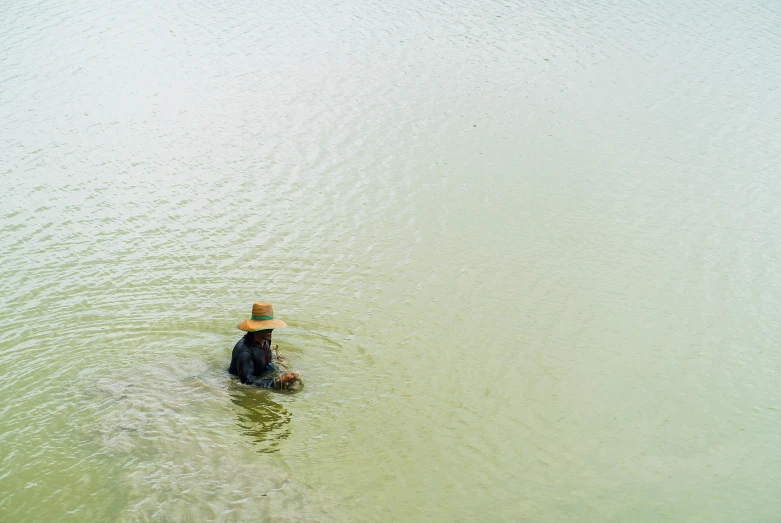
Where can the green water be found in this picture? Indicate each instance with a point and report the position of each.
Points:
(527, 253)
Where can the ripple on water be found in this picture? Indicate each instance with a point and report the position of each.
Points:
(179, 455)
(399, 178)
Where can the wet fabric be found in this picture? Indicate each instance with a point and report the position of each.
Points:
(250, 360)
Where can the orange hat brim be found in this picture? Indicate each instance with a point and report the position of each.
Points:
(259, 325)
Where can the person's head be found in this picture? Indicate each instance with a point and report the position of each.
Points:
(262, 335)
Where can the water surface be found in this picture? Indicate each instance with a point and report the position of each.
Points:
(527, 253)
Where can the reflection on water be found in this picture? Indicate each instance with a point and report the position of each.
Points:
(260, 417)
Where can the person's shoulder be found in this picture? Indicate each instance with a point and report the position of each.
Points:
(241, 352)
(240, 346)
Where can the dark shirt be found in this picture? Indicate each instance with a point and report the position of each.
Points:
(250, 360)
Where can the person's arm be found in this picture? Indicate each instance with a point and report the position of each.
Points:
(246, 367)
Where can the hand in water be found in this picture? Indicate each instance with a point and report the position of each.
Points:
(288, 379)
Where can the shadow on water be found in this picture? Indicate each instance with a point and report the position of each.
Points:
(260, 417)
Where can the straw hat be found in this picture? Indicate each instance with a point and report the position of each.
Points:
(262, 318)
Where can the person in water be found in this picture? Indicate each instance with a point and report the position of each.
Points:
(251, 357)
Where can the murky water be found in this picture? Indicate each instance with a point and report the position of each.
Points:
(528, 253)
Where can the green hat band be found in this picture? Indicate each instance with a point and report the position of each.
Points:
(261, 318)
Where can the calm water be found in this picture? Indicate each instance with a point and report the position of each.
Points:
(528, 253)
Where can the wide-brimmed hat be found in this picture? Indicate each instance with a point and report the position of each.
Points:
(262, 318)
